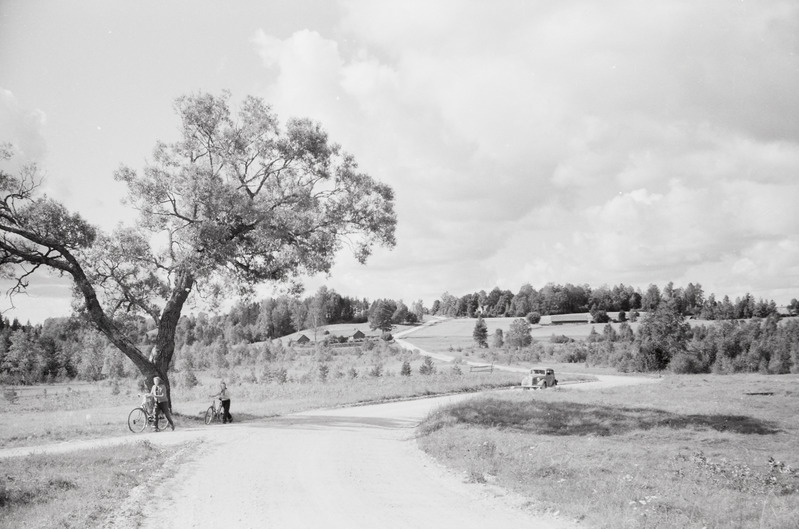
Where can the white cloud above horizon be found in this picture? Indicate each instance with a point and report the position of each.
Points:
(533, 142)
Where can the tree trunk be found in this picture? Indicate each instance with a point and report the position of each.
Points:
(167, 325)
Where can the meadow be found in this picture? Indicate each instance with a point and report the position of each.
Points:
(83, 489)
(455, 335)
(689, 452)
(309, 378)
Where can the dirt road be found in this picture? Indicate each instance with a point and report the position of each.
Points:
(348, 468)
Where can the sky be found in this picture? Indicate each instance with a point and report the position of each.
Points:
(526, 141)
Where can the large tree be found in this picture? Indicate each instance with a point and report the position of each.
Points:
(235, 201)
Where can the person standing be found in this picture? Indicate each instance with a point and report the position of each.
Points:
(224, 397)
(161, 402)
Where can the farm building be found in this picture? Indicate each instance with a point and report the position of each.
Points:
(357, 336)
(302, 340)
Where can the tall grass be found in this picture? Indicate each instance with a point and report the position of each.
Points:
(690, 452)
(80, 489)
(45, 414)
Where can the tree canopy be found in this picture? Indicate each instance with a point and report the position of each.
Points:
(236, 200)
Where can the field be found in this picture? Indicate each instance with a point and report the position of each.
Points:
(689, 452)
(58, 412)
(454, 334)
(81, 489)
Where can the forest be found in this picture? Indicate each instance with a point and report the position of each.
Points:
(749, 341)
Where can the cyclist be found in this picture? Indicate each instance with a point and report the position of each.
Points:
(161, 403)
(224, 397)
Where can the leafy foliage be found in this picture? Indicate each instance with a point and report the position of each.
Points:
(236, 200)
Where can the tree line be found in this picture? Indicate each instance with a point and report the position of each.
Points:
(663, 341)
(566, 299)
(68, 348)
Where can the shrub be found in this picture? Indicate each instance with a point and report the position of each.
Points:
(376, 371)
(533, 317)
(427, 367)
(190, 379)
(324, 371)
(406, 369)
(352, 373)
(685, 363)
(601, 316)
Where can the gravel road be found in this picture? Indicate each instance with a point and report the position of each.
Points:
(349, 468)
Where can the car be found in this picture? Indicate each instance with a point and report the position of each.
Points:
(540, 379)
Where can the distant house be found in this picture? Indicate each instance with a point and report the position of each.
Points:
(562, 319)
(357, 335)
(302, 340)
(784, 312)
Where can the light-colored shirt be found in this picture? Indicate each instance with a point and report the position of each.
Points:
(159, 392)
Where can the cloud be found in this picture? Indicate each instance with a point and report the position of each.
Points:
(22, 128)
(569, 142)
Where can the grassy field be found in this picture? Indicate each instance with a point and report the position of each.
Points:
(690, 452)
(454, 334)
(51, 413)
(81, 489)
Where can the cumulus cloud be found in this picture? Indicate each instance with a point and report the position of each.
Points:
(578, 141)
(21, 127)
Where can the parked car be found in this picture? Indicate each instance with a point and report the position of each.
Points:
(540, 379)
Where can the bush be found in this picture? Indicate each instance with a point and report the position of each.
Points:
(427, 367)
(376, 371)
(189, 379)
(324, 371)
(685, 363)
(406, 369)
(601, 316)
(533, 317)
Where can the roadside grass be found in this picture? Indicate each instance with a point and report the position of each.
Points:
(42, 414)
(689, 452)
(78, 489)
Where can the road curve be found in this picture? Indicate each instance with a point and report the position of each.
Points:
(352, 467)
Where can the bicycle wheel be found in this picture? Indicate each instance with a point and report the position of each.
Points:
(209, 415)
(137, 420)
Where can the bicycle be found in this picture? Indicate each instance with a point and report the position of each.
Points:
(214, 413)
(146, 415)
